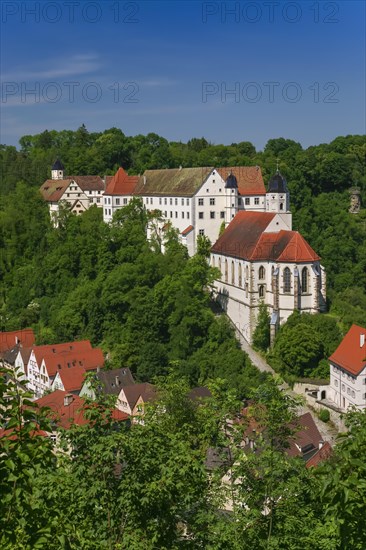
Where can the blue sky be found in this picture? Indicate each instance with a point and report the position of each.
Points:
(228, 71)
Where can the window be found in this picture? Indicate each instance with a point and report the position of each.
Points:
(222, 215)
(220, 266)
(336, 382)
(226, 274)
(182, 202)
(182, 215)
(213, 181)
(171, 201)
(239, 201)
(187, 215)
(151, 200)
(200, 215)
(160, 200)
(212, 215)
(187, 202)
(247, 272)
(304, 280)
(240, 280)
(261, 273)
(207, 190)
(213, 261)
(171, 214)
(247, 201)
(232, 273)
(176, 202)
(212, 202)
(200, 202)
(246, 290)
(118, 202)
(98, 200)
(165, 201)
(261, 291)
(286, 280)
(165, 213)
(125, 201)
(256, 200)
(109, 212)
(281, 206)
(176, 214)
(201, 231)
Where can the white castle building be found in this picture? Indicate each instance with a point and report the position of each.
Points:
(196, 201)
(262, 260)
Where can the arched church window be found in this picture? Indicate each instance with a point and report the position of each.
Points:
(261, 273)
(281, 206)
(226, 272)
(286, 280)
(232, 273)
(213, 261)
(261, 291)
(247, 272)
(240, 282)
(304, 280)
(220, 266)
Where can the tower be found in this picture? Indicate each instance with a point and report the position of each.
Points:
(278, 198)
(231, 193)
(57, 170)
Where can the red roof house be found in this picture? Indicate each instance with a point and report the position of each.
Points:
(350, 355)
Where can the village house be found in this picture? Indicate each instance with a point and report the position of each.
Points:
(108, 382)
(261, 259)
(196, 201)
(23, 338)
(131, 399)
(46, 361)
(78, 193)
(347, 386)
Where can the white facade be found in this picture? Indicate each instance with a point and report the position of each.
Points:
(38, 379)
(112, 203)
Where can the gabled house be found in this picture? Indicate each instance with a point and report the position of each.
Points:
(69, 380)
(110, 382)
(118, 193)
(261, 259)
(23, 338)
(131, 399)
(347, 385)
(76, 192)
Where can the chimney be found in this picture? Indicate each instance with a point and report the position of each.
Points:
(68, 399)
(362, 340)
(117, 380)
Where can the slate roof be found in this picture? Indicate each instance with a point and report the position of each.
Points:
(10, 355)
(121, 183)
(112, 381)
(349, 355)
(57, 165)
(145, 390)
(277, 184)
(172, 181)
(249, 179)
(246, 238)
(9, 339)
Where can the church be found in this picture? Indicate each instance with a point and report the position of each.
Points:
(261, 259)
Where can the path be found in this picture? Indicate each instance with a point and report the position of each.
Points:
(327, 431)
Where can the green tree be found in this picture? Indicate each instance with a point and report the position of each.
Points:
(262, 332)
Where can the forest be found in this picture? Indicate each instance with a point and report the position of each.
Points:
(151, 311)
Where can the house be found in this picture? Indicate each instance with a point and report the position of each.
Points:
(45, 361)
(69, 380)
(261, 259)
(347, 385)
(196, 201)
(77, 192)
(131, 399)
(110, 382)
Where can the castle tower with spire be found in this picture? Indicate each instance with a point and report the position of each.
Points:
(278, 198)
(231, 193)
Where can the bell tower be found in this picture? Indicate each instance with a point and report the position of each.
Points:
(57, 170)
(231, 193)
(278, 198)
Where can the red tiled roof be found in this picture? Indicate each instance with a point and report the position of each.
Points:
(9, 339)
(187, 230)
(349, 355)
(249, 178)
(246, 238)
(88, 183)
(48, 349)
(73, 378)
(121, 184)
(65, 415)
(324, 453)
(88, 359)
(52, 190)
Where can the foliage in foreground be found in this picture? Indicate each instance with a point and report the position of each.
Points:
(147, 485)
